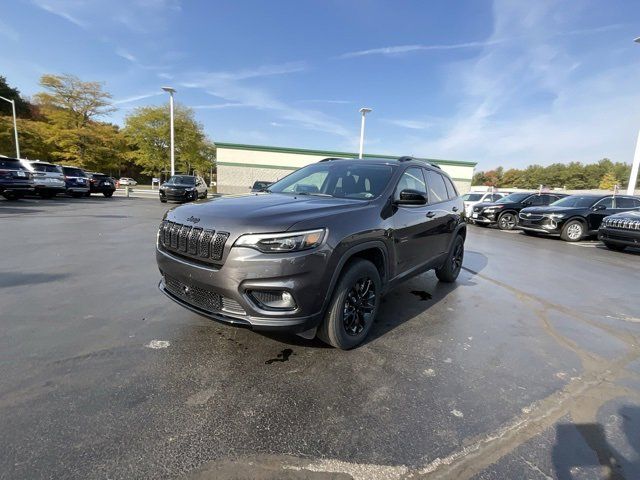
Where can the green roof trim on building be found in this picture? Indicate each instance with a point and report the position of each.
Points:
(327, 153)
(282, 167)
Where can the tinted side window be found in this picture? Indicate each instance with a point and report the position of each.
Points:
(437, 187)
(625, 202)
(412, 179)
(607, 202)
(451, 188)
(537, 200)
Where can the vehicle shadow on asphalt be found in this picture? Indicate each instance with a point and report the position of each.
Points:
(18, 279)
(424, 292)
(568, 455)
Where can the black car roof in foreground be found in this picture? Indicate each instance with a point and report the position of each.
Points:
(386, 161)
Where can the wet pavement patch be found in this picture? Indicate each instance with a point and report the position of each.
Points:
(282, 357)
(424, 296)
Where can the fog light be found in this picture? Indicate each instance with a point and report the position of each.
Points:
(274, 299)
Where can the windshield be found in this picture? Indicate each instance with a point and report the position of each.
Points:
(340, 179)
(575, 201)
(43, 167)
(11, 164)
(471, 197)
(182, 180)
(514, 197)
(73, 172)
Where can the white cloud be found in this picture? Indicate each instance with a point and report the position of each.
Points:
(401, 49)
(135, 98)
(410, 124)
(337, 102)
(126, 55)
(61, 9)
(539, 100)
(218, 106)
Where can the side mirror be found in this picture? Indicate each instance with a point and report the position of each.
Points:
(411, 197)
(600, 207)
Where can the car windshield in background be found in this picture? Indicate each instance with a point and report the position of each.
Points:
(73, 172)
(471, 197)
(514, 197)
(182, 180)
(336, 179)
(11, 164)
(575, 201)
(40, 167)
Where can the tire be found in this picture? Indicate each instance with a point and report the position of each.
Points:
(572, 231)
(450, 270)
(614, 246)
(204, 195)
(87, 194)
(483, 225)
(507, 221)
(107, 194)
(353, 307)
(46, 195)
(163, 200)
(11, 196)
(76, 194)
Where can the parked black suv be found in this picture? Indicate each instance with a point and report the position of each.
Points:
(76, 181)
(183, 188)
(317, 250)
(504, 212)
(621, 230)
(101, 183)
(15, 179)
(576, 216)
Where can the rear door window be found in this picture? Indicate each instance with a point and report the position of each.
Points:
(437, 187)
(451, 188)
(626, 202)
(607, 202)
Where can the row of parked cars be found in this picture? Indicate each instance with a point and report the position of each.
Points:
(23, 177)
(615, 219)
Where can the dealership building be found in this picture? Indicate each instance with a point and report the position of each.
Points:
(240, 165)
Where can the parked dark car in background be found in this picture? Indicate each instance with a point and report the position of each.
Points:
(504, 212)
(575, 217)
(76, 181)
(260, 186)
(15, 179)
(317, 251)
(621, 230)
(101, 183)
(183, 188)
(48, 178)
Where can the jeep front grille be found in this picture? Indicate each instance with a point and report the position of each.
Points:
(193, 242)
(196, 296)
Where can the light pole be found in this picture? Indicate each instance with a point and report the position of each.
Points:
(363, 111)
(173, 159)
(633, 178)
(15, 124)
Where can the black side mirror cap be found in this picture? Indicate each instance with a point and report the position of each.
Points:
(411, 197)
(600, 207)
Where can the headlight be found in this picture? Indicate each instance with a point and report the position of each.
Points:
(191, 189)
(282, 242)
(555, 215)
(492, 209)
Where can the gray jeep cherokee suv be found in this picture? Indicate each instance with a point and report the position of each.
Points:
(316, 251)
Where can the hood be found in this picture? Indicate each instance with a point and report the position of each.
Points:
(261, 212)
(177, 185)
(631, 215)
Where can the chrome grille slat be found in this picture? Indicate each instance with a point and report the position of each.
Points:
(194, 242)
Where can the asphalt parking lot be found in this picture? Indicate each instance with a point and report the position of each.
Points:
(528, 367)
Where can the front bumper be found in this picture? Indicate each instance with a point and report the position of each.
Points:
(178, 196)
(481, 217)
(544, 225)
(620, 236)
(302, 274)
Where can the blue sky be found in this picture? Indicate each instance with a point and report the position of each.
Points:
(498, 82)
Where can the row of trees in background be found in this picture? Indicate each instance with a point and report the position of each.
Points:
(64, 124)
(604, 174)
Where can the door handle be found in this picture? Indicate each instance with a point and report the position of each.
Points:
(455, 209)
(431, 214)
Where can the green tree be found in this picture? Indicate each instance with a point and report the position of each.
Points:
(31, 135)
(609, 181)
(71, 109)
(23, 107)
(147, 130)
(512, 178)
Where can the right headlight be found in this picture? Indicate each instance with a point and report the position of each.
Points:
(282, 242)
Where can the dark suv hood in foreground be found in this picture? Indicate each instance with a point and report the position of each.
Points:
(631, 215)
(259, 213)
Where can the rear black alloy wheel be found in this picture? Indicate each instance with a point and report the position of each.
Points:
(573, 231)
(353, 307)
(507, 221)
(108, 194)
(358, 306)
(450, 270)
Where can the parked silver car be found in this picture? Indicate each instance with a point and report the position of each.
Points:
(48, 178)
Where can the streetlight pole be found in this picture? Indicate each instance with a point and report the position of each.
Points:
(363, 111)
(633, 178)
(15, 124)
(173, 159)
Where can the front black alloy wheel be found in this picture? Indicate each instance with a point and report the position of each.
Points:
(353, 307)
(507, 221)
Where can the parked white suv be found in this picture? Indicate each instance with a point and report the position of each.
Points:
(472, 198)
(127, 181)
(48, 178)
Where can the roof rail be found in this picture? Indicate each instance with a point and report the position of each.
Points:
(407, 158)
(329, 159)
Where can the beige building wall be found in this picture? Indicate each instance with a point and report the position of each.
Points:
(239, 166)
